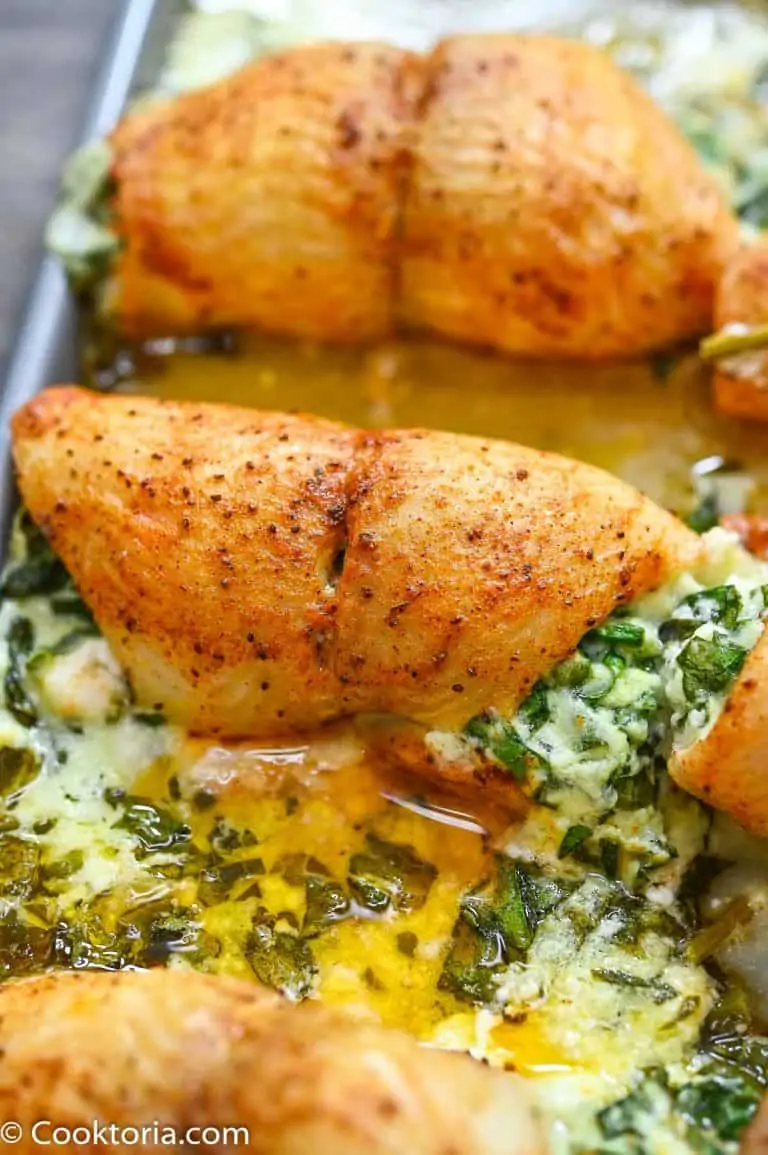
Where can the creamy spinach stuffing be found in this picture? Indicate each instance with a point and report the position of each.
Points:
(592, 923)
(587, 930)
(593, 735)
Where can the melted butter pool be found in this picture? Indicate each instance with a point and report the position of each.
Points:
(647, 422)
(383, 969)
(326, 814)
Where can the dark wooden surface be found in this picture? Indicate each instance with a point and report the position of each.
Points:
(49, 53)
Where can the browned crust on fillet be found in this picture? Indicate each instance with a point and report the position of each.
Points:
(520, 192)
(188, 1050)
(256, 573)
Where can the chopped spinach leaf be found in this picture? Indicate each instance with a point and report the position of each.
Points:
(372, 980)
(517, 910)
(69, 605)
(21, 640)
(41, 572)
(279, 958)
(724, 1105)
(677, 630)
(65, 645)
(326, 904)
(705, 516)
(18, 767)
(709, 666)
(152, 826)
(503, 744)
(720, 604)
(19, 868)
(618, 632)
(296, 866)
(572, 840)
(326, 901)
(225, 838)
(572, 672)
(151, 719)
(85, 943)
(496, 924)
(753, 207)
(24, 949)
(634, 791)
(625, 1117)
(218, 879)
(609, 857)
(662, 365)
(390, 874)
(171, 933)
(34, 577)
(658, 991)
(203, 800)
(472, 965)
(535, 709)
(61, 868)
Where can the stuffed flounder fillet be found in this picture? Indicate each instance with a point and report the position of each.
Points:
(511, 191)
(258, 573)
(263, 572)
(203, 1054)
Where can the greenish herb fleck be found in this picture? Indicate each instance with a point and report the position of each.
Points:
(279, 958)
(21, 639)
(501, 742)
(705, 516)
(390, 874)
(152, 826)
(326, 904)
(151, 719)
(709, 666)
(658, 991)
(724, 1105)
(721, 604)
(34, 577)
(573, 839)
(18, 767)
(218, 880)
(496, 924)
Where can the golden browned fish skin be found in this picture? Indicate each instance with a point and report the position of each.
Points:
(519, 192)
(269, 200)
(203, 537)
(741, 383)
(190, 1051)
(553, 209)
(258, 573)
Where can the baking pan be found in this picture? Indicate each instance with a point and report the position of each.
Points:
(46, 348)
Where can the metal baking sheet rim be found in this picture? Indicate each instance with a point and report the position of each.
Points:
(44, 351)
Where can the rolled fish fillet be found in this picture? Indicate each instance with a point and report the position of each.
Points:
(266, 572)
(517, 192)
(260, 573)
(176, 1049)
